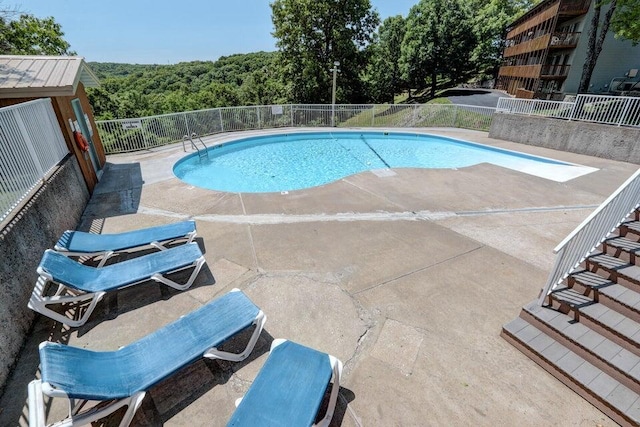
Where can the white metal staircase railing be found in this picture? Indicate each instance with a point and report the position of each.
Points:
(592, 232)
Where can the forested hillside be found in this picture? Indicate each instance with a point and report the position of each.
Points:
(439, 44)
(134, 90)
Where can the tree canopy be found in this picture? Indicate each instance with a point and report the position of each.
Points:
(29, 35)
(311, 35)
(438, 42)
(385, 77)
(134, 90)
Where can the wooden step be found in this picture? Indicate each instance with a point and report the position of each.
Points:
(617, 297)
(619, 271)
(622, 248)
(607, 322)
(608, 356)
(630, 229)
(597, 387)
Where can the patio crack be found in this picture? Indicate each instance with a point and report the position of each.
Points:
(418, 270)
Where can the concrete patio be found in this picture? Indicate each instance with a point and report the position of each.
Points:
(407, 279)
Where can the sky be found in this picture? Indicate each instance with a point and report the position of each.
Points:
(168, 32)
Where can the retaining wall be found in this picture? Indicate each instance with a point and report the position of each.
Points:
(56, 206)
(606, 141)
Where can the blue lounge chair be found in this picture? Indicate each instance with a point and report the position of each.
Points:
(289, 388)
(80, 244)
(80, 284)
(120, 378)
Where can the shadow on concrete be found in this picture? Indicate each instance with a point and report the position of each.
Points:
(345, 396)
(171, 396)
(117, 193)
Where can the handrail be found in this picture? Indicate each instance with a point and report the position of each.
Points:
(201, 153)
(184, 138)
(195, 135)
(594, 230)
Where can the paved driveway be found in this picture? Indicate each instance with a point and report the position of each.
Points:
(478, 97)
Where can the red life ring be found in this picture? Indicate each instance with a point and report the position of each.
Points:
(81, 142)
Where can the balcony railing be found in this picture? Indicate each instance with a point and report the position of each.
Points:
(555, 71)
(563, 40)
(574, 7)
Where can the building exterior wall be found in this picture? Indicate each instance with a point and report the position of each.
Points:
(64, 111)
(592, 139)
(616, 59)
(554, 70)
(55, 207)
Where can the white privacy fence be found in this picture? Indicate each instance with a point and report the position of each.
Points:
(125, 135)
(593, 231)
(611, 110)
(31, 144)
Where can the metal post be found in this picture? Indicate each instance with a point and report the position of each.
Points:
(335, 70)
(186, 122)
(221, 122)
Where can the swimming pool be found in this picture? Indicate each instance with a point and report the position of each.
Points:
(293, 161)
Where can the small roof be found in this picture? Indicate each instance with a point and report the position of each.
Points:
(43, 76)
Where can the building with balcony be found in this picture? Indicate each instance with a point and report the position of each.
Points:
(545, 50)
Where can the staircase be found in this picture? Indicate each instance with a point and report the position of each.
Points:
(587, 331)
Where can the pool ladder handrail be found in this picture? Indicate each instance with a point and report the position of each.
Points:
(202, 152)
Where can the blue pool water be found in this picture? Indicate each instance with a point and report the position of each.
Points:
(301, 160)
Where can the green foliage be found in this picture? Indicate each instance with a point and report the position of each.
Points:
(29, 35)
(490, 19)
(626, 20)
(385, 78)
(438, 42)
(134, 90)
(311, 35)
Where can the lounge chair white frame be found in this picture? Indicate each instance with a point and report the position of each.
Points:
(37, 389)
(39, 301)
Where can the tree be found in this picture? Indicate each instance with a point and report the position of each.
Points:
(34, 36)
(626, 22)
(623, 16)
(490, 18)
(311, 35)
(438, 42)
(384, 72)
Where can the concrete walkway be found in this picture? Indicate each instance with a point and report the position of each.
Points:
(406, 278)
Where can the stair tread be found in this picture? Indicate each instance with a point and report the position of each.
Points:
(633, 225)
(578, 369)
(616, 322)
(621, 267)
(624, 243)
(609, 288)
(607, 350)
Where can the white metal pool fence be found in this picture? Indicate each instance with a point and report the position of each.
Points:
(124, 135)
(31, 144)
(610, 110)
